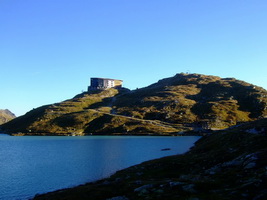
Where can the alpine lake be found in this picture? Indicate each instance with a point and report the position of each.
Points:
(33, 165)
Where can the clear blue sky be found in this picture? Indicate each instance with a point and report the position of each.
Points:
(49, 49)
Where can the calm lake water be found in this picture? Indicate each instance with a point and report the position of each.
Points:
(39, 164)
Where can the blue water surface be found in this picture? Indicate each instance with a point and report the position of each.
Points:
(39, 164)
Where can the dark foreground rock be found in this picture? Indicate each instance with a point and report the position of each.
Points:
(230, 164)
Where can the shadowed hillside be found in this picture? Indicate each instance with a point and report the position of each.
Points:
(177, 105)
(228, 165)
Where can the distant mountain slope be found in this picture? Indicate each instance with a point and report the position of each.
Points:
(228, 165)
(5, 116)
(185, 102)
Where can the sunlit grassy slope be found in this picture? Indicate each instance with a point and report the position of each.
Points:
(5, 116)
(176, 105)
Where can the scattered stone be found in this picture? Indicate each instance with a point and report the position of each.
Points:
(250, 165)
(185, 177)
(252, 156)
(143, 189)
(232, 163)
(166, 149)
(118, 198)
(250, 161)
(138, 182)
(160, 191)
(244, 195)
(189, 188)
(139, 173)
(253, 131)
(174, 184)
(257, 131)
(261, 195)
(212, 172)
(118, 180)
(106, 183)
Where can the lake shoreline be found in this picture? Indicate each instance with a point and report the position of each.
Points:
(190, 133)
(228, 165)
(104, 181)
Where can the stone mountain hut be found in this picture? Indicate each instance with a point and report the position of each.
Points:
(104, 83)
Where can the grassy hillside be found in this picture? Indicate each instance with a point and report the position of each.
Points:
(227, 165)
(5, 116)
(176, 105)
(200, 100)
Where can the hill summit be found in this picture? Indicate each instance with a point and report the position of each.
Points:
(176, 105)
(5, 116)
